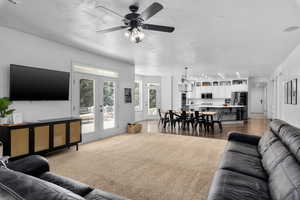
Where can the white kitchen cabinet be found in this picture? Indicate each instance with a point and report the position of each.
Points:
(219, 92)
(227, 92)
(239, 88)
(198, 94)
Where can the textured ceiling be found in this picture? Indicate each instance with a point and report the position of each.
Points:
(211, 36)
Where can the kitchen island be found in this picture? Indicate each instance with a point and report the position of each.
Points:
(231, 113)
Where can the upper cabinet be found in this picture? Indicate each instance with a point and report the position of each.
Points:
(220, 89)
(239, 85)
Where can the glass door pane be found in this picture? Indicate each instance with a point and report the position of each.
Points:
(109, 104)
(87, 105)
(152, 101)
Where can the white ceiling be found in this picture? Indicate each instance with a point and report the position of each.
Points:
(211, 36)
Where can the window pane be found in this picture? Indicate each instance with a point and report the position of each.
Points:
(152, 98)
(109, 104)
(87, 105)
(152, 108)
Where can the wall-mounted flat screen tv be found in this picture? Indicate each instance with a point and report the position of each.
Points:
(35, 84)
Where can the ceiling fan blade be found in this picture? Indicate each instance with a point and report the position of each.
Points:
(110, 10)
(112, 29)
(151, 10)
(153, 27)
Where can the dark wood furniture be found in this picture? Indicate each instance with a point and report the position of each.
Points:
(40, 137)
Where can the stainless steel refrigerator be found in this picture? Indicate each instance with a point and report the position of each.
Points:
(241, 99)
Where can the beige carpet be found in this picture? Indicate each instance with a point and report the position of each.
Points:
(144, 166)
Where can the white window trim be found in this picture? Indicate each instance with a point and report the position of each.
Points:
(95, 71)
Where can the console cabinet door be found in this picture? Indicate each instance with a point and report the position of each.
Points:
(59, 134)
(41, 138)
(75, 132)
(19, 139)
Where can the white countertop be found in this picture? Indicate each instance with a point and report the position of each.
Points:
(218, 106)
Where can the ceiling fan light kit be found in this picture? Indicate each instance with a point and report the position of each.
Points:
(134, 22)
(135, 35)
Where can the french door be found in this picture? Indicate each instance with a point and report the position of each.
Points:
(94, 100)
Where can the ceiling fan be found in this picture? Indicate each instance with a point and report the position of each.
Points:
(134, 22)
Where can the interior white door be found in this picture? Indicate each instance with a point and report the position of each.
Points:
(257, 100)
(94, 101)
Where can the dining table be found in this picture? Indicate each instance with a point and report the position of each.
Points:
(208, 115)
(189, 112)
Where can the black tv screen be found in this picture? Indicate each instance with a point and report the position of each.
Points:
(35, 84)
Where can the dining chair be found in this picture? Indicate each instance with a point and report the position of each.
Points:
(208, 124)
(171, 120)
(161, 118)
(199, 120)
(183, 119)
(218, 120)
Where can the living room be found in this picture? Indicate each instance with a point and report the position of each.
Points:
(149, 100)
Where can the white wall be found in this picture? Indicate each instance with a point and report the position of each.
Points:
(25, 49)
(288, 70)
(166, 92)
(171, 98)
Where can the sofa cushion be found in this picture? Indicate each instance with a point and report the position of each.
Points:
(31, 188)
(67, 183)
(290, 136)
(244, 138)
(276, 125)
(231, 185)
(266, 141)
(275, 154)
(244, 148)
(101, 195)
(284, 180)
(242, 163)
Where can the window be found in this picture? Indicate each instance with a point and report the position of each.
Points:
(152, 101)
(138, 90)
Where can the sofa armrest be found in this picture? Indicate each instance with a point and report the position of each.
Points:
(32, 165)
(245, 138)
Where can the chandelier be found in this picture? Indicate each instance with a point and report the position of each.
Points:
(186, 85)
(135, 35)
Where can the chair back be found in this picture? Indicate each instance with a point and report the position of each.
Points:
(159, 113)
(197, 115)
(171, 113)
(183, 114)
(192, 116)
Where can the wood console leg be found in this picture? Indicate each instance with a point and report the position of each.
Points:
(77, 147)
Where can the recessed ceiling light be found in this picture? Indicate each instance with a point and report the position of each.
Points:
(291, 28)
